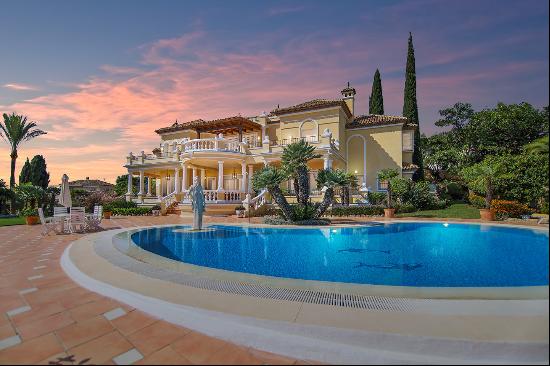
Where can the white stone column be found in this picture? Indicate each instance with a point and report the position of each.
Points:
(184, 177)
(203, 178)
(327, 162)
(159, 187)
(220, 175)
(250, 174)
(243, 178)
(141, 185)
(194, 174)
(129, 191)
(177, 180)
(149, 184)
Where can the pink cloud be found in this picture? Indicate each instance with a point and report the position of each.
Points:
(20, 86)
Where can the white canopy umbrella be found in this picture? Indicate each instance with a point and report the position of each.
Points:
(65, 196)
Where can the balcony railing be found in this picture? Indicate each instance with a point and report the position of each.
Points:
(284, 142)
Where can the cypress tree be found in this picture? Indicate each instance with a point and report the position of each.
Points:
(376, 99)
(410, 108)
(39, 175)
(25, 175)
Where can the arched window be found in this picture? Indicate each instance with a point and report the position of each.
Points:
(309, 131)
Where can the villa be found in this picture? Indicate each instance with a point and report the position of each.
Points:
(224, 153)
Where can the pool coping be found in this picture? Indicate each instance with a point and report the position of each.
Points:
(502, 293)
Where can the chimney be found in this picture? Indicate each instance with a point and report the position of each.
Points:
(349, 97)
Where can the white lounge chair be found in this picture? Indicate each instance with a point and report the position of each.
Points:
(60, 215)
(77, 219)
(94, 220)
(48, 224)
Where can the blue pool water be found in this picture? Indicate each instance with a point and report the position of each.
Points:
(400, 254)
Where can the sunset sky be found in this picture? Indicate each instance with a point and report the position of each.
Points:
(101, 76)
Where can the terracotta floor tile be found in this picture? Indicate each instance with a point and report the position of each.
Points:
(84, 331)
(156, 336)
(271, 358)
(232, 355)
(197, 347)
(30, 352)
(42, 326)
(39, 312)
(6, 331)
(102, 349)
(165, 356)
(8, 304)
(132, 322)
(60, 357)
(92, 309)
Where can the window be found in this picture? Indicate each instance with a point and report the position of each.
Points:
(408, 140)
(308, 131)
(382, 185)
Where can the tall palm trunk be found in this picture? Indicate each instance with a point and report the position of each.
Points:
(13, 156)
(303, 184)
(296, 186)
(328, 198)
(279, 197)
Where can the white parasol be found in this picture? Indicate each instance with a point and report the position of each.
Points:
(65, 196)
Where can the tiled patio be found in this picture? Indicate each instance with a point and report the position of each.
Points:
(46, 318)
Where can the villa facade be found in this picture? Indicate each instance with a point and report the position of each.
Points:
(225, 153)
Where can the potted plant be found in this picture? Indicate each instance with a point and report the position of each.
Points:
(107, 211)
(481, 178)
(387, 175)
(155, 210)
(240, 211)
(31, 216)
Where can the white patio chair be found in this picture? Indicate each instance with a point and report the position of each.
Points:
(48, 224)
(60, 215)
(94, 220)
(77, 219)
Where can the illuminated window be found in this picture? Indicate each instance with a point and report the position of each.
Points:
(382, 185)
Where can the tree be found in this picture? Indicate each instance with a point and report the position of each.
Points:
(14, 131)
(25, 175)
(386, 175)
(410, 108)
(327, 179)
(121, 185)
(39, 175)
(270, 178)
(483, 177)
(376, 99)
(539, 146)
(294, 160)
(458, 116)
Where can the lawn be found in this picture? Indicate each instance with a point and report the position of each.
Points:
(454, 211)
(12, 221)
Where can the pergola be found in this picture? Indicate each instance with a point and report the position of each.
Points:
(236, 124)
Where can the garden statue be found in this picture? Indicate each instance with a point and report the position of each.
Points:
(198, 203)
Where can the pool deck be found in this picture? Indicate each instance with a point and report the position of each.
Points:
(47, 317)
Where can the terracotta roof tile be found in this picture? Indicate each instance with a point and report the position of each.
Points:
(216, 124)
(369, 120)
(312, 105)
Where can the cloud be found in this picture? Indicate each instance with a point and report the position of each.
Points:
(93, 126)
(20, 87)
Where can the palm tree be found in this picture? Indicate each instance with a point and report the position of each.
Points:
(14, 131)
(270, 178)
(483, 176)
(386, 175)
(327, 179)
(294, 159)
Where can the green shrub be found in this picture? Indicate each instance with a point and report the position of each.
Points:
(274, 220)
(133, 211)
(119, 204)
(476, 201)
(303, 212)
(356, 211)
(544, 208)
(376, 198)
(405, 208)
(28, 212)
(455, 191)
(420, 196)
(504, 209)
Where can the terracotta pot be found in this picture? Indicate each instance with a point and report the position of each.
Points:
(240, 213)
(389, 212)
(487, 214)
(107, 214)
(31, 220)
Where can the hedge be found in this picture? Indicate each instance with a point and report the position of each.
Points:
(135, 211)
(356, 211)
(503, 208)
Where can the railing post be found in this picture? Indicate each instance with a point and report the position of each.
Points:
(141, 185)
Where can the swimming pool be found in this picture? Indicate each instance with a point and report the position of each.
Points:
(396, 254)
